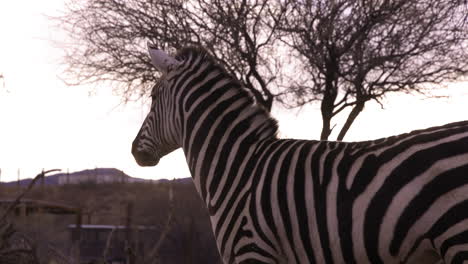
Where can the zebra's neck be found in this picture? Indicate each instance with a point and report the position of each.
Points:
(221, 121)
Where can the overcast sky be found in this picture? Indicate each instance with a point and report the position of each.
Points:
(45, 124)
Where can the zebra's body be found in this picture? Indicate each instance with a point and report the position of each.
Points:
(402, 199)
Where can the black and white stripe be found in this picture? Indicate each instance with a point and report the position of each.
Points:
(402, 199)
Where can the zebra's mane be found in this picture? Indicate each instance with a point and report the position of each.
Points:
(270, 124)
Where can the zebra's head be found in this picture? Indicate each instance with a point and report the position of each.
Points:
(158, 134)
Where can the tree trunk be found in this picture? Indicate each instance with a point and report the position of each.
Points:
(349, 121)
(326, 130)
(328, 105)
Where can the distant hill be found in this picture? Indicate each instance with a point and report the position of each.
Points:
(98, 175)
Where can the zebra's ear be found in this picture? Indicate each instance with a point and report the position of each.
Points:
(160, 59)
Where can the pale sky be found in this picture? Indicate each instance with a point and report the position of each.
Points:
(45, 124)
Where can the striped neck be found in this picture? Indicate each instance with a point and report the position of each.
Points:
(220, 118)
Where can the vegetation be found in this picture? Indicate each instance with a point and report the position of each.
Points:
(189, 237)
(14, 247)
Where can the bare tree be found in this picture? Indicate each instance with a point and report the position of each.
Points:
(354, 51)
(348, 52)
(108, 40)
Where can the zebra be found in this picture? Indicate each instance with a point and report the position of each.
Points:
(401, 199)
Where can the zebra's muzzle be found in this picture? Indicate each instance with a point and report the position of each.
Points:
(144, 158)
